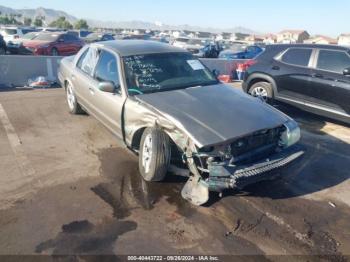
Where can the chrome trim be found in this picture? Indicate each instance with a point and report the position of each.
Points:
(314, 106)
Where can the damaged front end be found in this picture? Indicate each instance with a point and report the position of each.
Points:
(243, 161)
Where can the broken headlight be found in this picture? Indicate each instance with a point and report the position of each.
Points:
(291, 135)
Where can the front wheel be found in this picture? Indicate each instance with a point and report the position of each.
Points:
(262, 90)
(155, 154)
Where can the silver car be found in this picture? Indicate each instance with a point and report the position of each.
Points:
(164, 104)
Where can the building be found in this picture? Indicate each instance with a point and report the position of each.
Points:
(270, 39)
(322, 40)
(292, 36)
(254, 39)
(344, 39)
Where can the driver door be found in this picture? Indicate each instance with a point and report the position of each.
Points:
(108, 106)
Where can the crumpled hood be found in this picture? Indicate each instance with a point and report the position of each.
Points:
(214, 114)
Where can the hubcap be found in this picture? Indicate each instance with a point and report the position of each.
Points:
(70, 97)
(260, 92)
(147, 153)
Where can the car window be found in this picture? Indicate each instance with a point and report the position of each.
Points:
(88, 60)
(107, 38)
(70, 37)
(106, 69)
(335, 61)
(11, 31)
(297, 56)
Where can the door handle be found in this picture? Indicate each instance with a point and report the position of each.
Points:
(92, 91)
(275, 68)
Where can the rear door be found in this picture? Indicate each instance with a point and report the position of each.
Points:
(82, 78)
(330, 87)
(292, 72)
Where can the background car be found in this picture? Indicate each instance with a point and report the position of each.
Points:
(313, 77)
(16, 44)
(2, 46)
(80, 33)
(98, 37)
(11, 33)
(55, 44)
(241, 52)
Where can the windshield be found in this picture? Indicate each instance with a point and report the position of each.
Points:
(94, 35)
(11, 31)
(47, 37)
(30, 36)
(167, 71)
(235, 47)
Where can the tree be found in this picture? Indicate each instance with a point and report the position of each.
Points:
(38, 22)
(61, 23)
(81, 24)
(27, 21)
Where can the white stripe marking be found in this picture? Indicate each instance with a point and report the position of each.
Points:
(16, 145)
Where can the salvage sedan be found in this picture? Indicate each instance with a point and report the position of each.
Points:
(164, 104)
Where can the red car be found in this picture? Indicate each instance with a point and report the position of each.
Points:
(55, 44)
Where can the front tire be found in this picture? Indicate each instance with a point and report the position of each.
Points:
(155, 154)
(262, 90)
(73, 105)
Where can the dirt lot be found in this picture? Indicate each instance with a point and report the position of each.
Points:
(68, 187)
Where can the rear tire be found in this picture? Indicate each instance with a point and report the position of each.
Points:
(73, 105)
(155, 154)
(262, 90)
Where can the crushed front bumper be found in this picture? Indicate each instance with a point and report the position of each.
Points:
(223, 177)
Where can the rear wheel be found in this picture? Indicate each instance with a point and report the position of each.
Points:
(155, 153)
(73, 105)
(262, 90)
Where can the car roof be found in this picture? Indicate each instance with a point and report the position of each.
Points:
(139, 47)
(333, 47)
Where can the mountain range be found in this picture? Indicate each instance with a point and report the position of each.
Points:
(52, 14)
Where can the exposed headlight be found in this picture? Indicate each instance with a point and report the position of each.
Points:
(291, 135)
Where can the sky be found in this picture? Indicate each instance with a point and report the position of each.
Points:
(265, 16)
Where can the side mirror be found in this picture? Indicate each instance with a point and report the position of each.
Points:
(107, 87)
(346, 71)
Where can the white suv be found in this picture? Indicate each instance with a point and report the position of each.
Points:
(12, 33)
